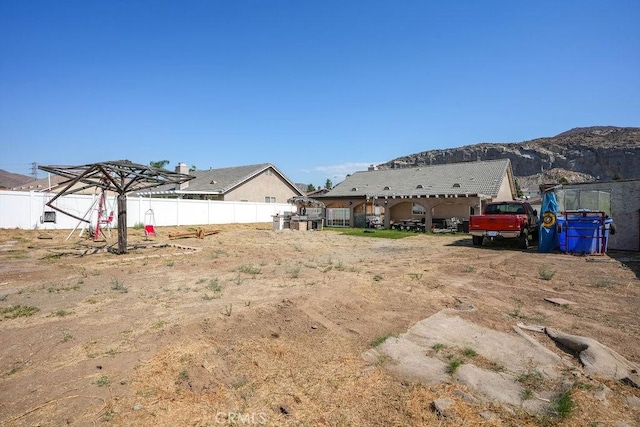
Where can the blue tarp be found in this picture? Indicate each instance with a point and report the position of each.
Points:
(548, 237)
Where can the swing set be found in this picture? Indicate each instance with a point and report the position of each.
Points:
(100, 215)
(102, 220)
(120, 177)
(48, 216)
(149, 224)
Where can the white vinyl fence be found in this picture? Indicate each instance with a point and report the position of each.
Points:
(27, 210)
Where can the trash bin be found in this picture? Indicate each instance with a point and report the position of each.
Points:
(584, 232)
(278, 222)
(562, 233)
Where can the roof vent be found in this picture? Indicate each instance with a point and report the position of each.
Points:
(354, 189)
(419, 186)
(456, 185)
(387, 187)
(213, 182)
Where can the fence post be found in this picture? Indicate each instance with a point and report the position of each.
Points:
(178, 211)
(31, 224)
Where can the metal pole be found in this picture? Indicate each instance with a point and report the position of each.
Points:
(100, 208)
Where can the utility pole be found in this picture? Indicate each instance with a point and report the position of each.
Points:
(34, 170)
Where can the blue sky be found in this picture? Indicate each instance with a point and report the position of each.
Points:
(318, 88)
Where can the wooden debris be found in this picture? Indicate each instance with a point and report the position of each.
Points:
(560, 301)
(199, 233)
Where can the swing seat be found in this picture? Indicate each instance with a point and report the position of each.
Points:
(48, 216)
(149, 230)
(109, 223)
(149, 223)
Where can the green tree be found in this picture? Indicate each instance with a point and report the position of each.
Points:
(310, 187)
(617, 176)
(160, 164)
(519, 192)
(328, 185)
(193, 168)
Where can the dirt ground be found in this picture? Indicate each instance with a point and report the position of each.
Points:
(252, 326)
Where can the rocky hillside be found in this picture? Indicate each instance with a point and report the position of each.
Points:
(578, 155)
(10, 180)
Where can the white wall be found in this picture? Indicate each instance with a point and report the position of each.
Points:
(23, 209)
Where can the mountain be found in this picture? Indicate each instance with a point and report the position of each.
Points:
(578, 155)
(10, 180)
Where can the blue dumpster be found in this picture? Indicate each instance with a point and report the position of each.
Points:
(584, 232)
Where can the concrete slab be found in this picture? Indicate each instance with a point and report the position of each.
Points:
(412, 357)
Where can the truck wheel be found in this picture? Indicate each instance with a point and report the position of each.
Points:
(477, 240)
(535, 236)
(523, 240)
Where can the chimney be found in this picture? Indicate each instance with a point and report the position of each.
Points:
(183, 169)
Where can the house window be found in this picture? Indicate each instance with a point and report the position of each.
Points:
(418, 209)
(269, 199)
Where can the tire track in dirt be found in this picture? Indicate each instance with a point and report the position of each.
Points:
(327, 323)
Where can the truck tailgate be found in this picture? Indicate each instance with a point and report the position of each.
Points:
(493, 223)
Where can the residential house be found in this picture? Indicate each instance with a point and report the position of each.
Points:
(52, 183)
(262, 183)
(318, 192)
(429, 194)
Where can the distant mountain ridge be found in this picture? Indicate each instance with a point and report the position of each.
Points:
(10, 179)
(578, 155)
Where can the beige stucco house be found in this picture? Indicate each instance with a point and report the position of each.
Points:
(429, 194)
(262, 183)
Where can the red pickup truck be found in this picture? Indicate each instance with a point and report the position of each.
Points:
(505, 220)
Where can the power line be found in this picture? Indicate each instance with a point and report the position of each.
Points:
(34, 170)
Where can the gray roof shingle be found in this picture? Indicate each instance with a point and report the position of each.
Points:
(223, 179)
(483, 178)
(220, 181)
